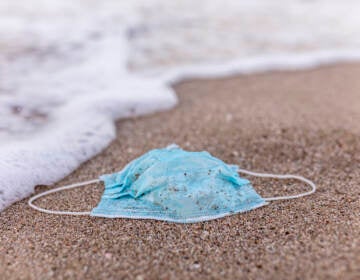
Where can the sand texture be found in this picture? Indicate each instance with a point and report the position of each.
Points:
(305, 122)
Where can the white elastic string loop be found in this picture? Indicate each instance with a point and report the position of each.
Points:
(284, 176)
(263, 175)
(35, 197)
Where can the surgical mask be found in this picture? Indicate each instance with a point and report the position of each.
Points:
(178, 186)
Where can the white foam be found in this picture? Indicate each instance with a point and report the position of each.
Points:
(69, 68)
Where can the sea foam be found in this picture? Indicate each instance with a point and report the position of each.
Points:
(69, 69)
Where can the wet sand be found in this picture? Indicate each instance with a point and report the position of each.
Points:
(305, 122)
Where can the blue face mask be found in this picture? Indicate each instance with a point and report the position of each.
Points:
(175, 185)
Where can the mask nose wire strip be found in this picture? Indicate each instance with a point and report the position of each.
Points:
(72, 186)
(285, 176)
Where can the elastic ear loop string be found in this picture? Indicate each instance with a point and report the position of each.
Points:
(285, 176)
(72, 186)
(256, 174)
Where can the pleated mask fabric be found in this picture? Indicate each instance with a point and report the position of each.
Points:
(175, 185)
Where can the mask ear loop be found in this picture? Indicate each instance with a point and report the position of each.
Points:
(285, 176)
(244, 171)
(72, 186)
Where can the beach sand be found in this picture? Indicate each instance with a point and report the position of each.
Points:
(303, 122)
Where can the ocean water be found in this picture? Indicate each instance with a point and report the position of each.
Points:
(69, 69)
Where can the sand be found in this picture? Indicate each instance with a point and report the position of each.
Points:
(305, 122)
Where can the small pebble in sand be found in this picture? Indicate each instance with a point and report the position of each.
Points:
(108, 256)
(229, 117)
(235, 153)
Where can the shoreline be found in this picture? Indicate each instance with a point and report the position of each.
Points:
(283, 121)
